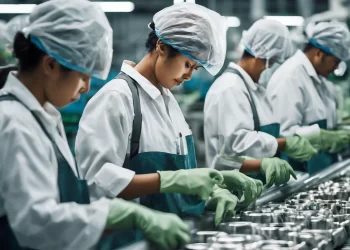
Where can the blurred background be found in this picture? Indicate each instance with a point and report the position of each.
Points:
(129, 20)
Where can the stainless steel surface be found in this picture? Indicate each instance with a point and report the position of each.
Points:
(310, 213)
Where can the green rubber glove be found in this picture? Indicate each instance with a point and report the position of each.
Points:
(277, 171)
(199, 181)
(236, 181)
(167, 231)
(223, 203)
(330, 141)
(299, 148)
(260, 187)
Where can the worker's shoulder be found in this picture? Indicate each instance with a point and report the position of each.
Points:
(114, 90)
(228, 81)
(14, 115)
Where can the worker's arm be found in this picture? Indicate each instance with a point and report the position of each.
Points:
(250, 166)
(141, 184)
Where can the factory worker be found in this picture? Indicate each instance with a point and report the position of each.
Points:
(133, 140)
(43, 202)
(238, 118)
(302, 98)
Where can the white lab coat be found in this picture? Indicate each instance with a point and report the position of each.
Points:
(29, 194)
(298, 100)
(106, 125)
(228, 118)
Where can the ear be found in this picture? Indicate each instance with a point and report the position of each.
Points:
(160, 48)
(49, 65)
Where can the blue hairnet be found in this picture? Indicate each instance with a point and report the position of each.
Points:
(75, 33)
(331, 37)
(268, 39)
(197, 32)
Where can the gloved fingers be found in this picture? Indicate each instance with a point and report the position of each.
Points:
(259, 186)
(183, 226)
(172, 240)
(183, 238)
(287, 174)
(219, 213)
(291, 171)
(216, 177)
(284, 175)
(270, 179)
(278, 175)
(230, 211)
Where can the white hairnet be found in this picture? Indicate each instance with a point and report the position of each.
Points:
(268, 39)
(331, 37)
(18, 23)
(2, 32)
(197, 32)
(75, 33)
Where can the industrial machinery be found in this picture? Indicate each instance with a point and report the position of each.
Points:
(312, 212)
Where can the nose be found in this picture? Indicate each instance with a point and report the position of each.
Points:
(188, 75)
(86, 87)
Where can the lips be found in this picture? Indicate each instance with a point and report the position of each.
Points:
(178, 82)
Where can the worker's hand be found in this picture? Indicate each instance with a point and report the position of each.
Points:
(238, 182)
(299, 148)
(223, 203)
(167, 231)
(277, 171)
(199, 181)
(330, 141)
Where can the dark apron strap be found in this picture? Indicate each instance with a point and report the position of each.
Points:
(137, 122)
(250, 98)
(59, 155)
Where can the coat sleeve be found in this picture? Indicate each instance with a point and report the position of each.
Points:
(28, 187)
(288, 101)
(102, 143)
(231, 109)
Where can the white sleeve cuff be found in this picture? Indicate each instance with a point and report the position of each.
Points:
(98, 223)
(269, 146)
(113, 179)
(308, 130)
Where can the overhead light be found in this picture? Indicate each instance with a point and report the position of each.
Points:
(106, 7)
(117, 6)
(233, 21)
(287, 20)
(16, 8)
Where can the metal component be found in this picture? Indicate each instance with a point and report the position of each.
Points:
(239, 227)
(203, 236)
(339, 236)
(197, 246)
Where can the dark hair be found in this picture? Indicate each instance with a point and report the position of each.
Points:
(152, 41)
(246, 55)
(28, 55)
(308, 47)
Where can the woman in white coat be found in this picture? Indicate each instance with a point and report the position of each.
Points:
(133, 140)
(43, 202)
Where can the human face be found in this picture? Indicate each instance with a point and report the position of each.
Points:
(64, 86)
(325, 63)
(172, 71)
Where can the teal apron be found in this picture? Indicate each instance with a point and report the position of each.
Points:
(71, 188)
(319, 162)
(151, 162)
(271, 129)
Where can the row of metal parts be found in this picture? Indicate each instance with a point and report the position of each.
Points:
(317, 219)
